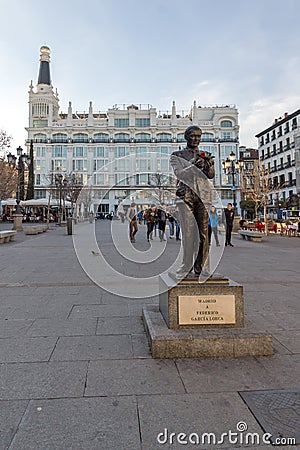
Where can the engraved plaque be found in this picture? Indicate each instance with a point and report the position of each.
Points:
(206, 309)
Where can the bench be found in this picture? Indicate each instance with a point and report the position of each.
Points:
(255, 236)
(7, 236)
(35, 229)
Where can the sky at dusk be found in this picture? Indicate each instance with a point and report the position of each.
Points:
(154, 52)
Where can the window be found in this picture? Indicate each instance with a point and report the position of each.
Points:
(288, 144)
(274, 150)
(142, 122)
(100, 152)
(37, 179)
(59, 151)
(101, 179)
(39, 193)
(121, 123)
(59, 137)
(122, 164)
(207, 137)
(143, 137)
(143, 165)
(142, 179)
(40, 109)
(180, 137)
(80, 137)
(58, 164)
(164, 137)
(40, 137)
(80, 164)
(122, 137)
(163, 165)
(226, 136)
(141, 150)
(79, 152)
(100, 163)
(163, 150)
(40, 152)
(226, 123)
(226, 195)
(101, 137)
(122, 179)
(121, 151)
(37, 164)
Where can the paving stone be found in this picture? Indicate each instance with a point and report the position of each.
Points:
(13, 328)
(290, 339)
(224, 374)
(92, 347)
(11, 413)
(26, 349)
(197, 413)
(99, 311)
(62, 327)
(286, 367)
(140, 346)
(41, 310)
(80, 424)
(39, 380)
(128, 377)
(120, 325)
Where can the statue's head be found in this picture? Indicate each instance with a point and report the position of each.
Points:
(192, 136)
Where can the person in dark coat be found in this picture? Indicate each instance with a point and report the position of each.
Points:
(229, 217)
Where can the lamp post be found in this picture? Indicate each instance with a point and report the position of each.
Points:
(19, 163)
(232, 167)
(59, 183)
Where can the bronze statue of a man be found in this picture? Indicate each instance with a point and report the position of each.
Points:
(193, 169)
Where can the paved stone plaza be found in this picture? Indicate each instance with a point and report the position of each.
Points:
(75, 367)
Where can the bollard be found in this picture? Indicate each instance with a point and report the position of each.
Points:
(70, 225)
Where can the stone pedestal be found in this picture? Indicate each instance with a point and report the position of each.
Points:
(18, 226)
(202, 320)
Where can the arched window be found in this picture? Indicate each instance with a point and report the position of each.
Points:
(59, 137)
(101, 137)
(80, 137)
(226, 123)
(142, 137)
(40, 137)
(122, 137)
(207, 137)
(164, 137)
(180, 137)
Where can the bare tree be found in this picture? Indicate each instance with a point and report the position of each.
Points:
(8, 173)
(164, 186)
(256, 186)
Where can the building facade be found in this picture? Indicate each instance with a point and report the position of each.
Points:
(120, 151)
(277, 152)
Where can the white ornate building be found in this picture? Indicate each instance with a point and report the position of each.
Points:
(276, 146)
(118, 150)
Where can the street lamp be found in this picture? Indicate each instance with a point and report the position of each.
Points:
(18, 162)
(58, 182)
(232, 167)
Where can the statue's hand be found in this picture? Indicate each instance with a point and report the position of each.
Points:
(209, 161)
(199, 163)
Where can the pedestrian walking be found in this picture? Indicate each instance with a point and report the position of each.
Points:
(133, 224)
(229, 216)
(176, 215)
(213, 223)
(171, 221)
(162, 219)
(150, 216)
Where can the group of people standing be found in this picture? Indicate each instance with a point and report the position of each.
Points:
(155, 218)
